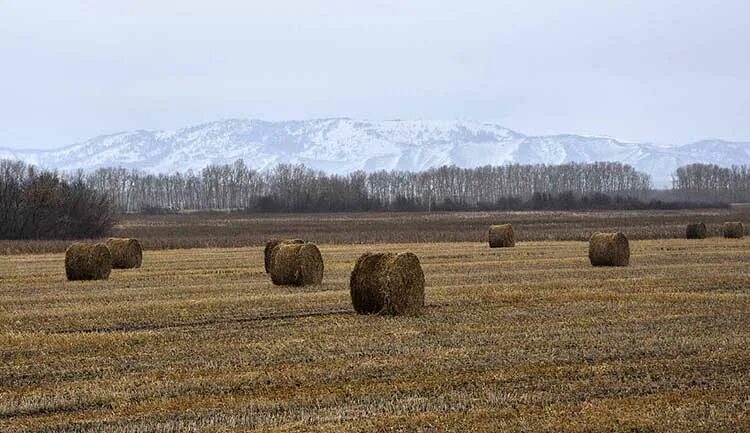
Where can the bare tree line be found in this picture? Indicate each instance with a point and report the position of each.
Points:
(39, 204)
(297, 188)
(711, 182)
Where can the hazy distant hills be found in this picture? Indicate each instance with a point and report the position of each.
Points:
(343, 145)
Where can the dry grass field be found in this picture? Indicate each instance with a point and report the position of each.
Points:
(528, 339)
(216, 230)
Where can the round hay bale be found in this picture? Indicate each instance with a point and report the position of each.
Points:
(296, 265)
(733, 229)
(696, 231)
(501, 236)
(126, 253)
(85, 261)
(609, 249)
(270, 245)
(387, 283)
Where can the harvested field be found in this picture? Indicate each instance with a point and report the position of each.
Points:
(217, 230)
(530, 338)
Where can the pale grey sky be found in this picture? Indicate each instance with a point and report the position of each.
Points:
(666, 71)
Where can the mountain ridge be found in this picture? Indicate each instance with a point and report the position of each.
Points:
(341, 145)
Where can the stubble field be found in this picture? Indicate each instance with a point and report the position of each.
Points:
(525, 339)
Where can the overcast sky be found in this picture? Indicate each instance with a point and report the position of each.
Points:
(665, 71)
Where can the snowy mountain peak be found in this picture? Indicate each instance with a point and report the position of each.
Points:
(340, 145)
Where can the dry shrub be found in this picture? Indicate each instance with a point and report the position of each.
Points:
(85, 261)
(387, 283)
(296, 264)
(501, 236)
(734, 230)
(126, 253)
(696, 231)
(270, 245)
(609, 249)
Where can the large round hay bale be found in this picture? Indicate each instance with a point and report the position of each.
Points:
(296, 264)
(696, 231)
(270, 245)
(501, 236)
(609, 249)
(734, 230)
(387, 283)
(126, 253)
(85, 261)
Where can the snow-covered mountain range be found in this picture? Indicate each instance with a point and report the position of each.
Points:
(342, 145)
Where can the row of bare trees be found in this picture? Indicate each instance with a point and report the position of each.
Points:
(297, 188)
(709, 182)
(42, 204)
(38, 204)
(490, 184)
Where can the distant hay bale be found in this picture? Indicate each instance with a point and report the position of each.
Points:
(501, 236)
(387, 283)
(85, 261)
(609, 249)
(126, 253)
(734, 230)
(270, 245)
(696, 231)
(296, 264)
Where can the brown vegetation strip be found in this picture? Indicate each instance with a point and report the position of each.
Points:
(219, 230)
